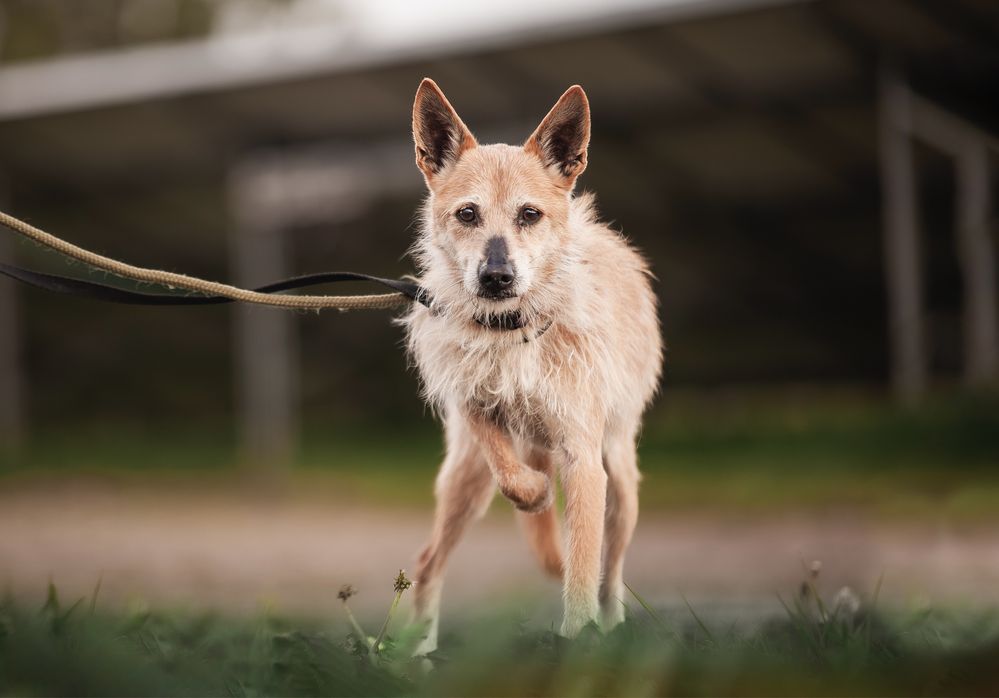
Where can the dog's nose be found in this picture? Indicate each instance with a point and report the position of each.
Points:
(495, 278)
(496, 273)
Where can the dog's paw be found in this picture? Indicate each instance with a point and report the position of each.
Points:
(581, 630)
(581, 611)
(426, 646)
(529, 490)
(612, 614)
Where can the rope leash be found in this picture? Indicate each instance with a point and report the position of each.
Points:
(212, 292)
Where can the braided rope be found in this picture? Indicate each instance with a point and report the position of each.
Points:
(379, 301)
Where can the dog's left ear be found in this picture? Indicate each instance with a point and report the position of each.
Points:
(563, 136)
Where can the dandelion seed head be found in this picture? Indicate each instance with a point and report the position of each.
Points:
(346, 591)
(846, 602)
(402, 582)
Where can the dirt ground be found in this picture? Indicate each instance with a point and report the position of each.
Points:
(177, 548)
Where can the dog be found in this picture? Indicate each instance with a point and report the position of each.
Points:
(540, 350)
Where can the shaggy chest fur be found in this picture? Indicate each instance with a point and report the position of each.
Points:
(529, 383)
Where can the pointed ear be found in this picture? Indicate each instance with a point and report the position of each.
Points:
(438, 132)
(563, 136)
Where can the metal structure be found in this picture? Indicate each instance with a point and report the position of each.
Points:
(11, 373)
(755, 116)
(904, 116)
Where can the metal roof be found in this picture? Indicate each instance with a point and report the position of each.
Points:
(260, 57)
(758, 101)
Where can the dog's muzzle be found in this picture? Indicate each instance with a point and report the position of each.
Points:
(496, 273)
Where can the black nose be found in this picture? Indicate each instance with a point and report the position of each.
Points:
(496, 278)
(496, 273)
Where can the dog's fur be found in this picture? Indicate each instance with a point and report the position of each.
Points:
(565, 390)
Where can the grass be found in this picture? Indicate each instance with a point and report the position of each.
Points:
(816, 648)
(941, 460)
(739, 454)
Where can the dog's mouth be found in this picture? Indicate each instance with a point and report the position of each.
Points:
(497, 295)
(509, 320)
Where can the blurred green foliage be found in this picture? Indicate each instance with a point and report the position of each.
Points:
(813, 650)
(33, 29)
(733, 454)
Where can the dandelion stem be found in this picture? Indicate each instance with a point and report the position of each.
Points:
(358, 630)
(346, 591)
(401, 584)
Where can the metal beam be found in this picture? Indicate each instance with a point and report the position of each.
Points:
(270, 193)
(977, 255)
(93, 80)
(787, 116)
(903, 273)
(977, 33)
(265, 343)
(12, 422)
(943, 129)
(969, 146)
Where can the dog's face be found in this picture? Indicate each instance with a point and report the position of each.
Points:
(498, 214)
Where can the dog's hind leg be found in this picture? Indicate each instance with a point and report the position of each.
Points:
(463, 491)
(621, 516)
(542, 529)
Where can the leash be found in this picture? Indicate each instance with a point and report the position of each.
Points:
(213, 292)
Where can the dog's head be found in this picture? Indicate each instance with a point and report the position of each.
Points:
(497, 218)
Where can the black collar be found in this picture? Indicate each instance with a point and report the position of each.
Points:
(509, 321)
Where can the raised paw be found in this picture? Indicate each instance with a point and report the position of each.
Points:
(529, 490)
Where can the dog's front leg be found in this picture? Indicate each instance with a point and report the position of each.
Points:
(530, 490)
(585, 485)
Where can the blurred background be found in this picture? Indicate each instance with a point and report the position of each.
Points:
(810, 180)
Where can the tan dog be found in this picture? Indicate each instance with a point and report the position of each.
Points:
(541, 350)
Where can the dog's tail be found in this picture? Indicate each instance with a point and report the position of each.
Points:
(542, 531)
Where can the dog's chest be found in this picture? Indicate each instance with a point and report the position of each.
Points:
(505, 374)
(512, 376)
(535, 387)
(519, 390)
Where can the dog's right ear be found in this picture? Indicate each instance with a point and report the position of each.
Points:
(438, 132)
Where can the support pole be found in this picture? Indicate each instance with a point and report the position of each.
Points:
(977, 255)
(265, 340)
(901, 241)
(12, 421)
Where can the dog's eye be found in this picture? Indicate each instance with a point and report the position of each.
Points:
(529, 215)
(467, 214)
